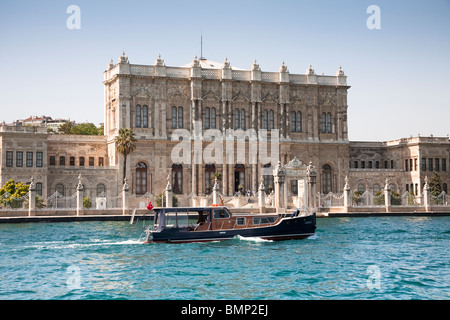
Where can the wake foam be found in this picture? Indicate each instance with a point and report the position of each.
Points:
(252, 239)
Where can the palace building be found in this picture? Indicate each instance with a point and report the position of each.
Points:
(306, 112)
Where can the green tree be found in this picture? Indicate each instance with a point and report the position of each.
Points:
(87, 203)
(435, 184)
(12, 194)
(101, 129)
(66, 128)
(88, 129)
(125, 145)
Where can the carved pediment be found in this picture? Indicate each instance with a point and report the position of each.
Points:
(270, 98)
(240, 97)
(297, 100)
(210, 95)
(141, 92)
(296, 163)
(327, 100)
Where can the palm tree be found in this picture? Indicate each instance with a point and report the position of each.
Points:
(124, 144)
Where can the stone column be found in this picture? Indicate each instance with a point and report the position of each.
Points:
(387, 196)
(312, 175)
(426, 196)
(169, 193)
(80, 207)
(347, 195)
(262, 196)
(279, 176)
(32, 198)
(216, 192)
(125, 197)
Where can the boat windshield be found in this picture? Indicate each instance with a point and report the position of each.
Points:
(177, 219)
(221, 213)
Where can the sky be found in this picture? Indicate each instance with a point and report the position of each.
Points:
(399, 73)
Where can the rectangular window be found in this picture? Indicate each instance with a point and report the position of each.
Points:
(9, 158)
(386, 165)
(29, 159)
(72, 161)
(370, 164)
(52, 160)
(444, 164)
(39, 188)
(406, 165)
(411, 165)
(430, 164)
(62, 161)
(101, 162)
(180, 117)
(377, 164)
(19, 159)
(81, 161)
(39, 159)
(91, 161)
(415, 164)
(145, 116)
(392, 164)
(424, 164)
(436, 164)
(356, 164)
(240, 221)
(363, 164)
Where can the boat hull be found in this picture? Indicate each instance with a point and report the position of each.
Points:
(287, 229)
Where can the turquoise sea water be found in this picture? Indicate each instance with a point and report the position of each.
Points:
(348, 258)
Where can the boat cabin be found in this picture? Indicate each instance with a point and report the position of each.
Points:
(209, 218)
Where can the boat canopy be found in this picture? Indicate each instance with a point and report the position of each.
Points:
(179, 216)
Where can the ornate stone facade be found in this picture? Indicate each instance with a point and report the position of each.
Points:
(309, 111)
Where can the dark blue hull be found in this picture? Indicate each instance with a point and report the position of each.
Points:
(288, 228)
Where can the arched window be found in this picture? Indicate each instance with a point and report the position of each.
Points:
(299, 121)
(177, 178)
(145, 116)
(138, 116)
(293, 121)
(236, 119)
(60, 189)
(376, 189)
(271, 121)
(243, 119)
(213, 118)
(265, 122)
(210, 169)
(101, 190)
(324, 122)
(326, 179)
(207, 118)
(329, 122)
(361, 188)
(141, 178)
(174, 117)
